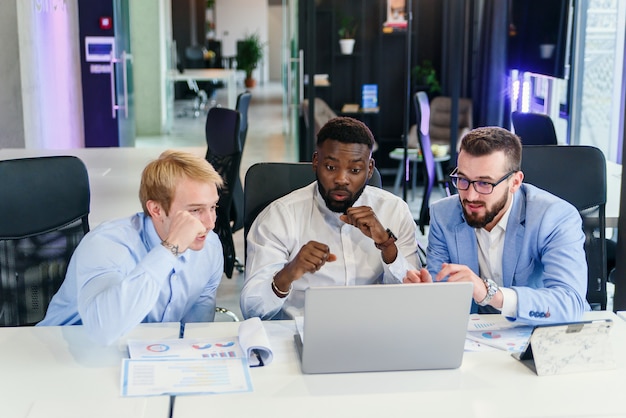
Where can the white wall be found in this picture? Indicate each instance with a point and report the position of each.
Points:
(236, 18)
(274, 53)
(149, 46)
(50, 74)
(11, 117)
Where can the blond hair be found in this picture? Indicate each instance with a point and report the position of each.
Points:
(160, 177)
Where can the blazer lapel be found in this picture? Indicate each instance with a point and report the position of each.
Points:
(513, 240)
(467, 247)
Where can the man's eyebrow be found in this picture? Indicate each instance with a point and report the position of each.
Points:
(356, 160)
(461, 174)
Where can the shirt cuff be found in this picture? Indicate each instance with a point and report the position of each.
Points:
(398, 268)
(509, 302)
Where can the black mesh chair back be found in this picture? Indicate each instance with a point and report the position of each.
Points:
(266, 182)
(236, 209)
(194, 57)
(224, 154)
(534, 128)
(243, 103)
(577, 174)
(422, 113)
(44, 204)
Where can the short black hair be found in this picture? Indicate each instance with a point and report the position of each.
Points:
(346, 130)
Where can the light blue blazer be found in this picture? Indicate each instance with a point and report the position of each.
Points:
(543, 257)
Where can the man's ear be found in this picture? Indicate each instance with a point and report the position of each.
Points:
(315, 161)
(372, 164)
(155, 210)
(518, 178)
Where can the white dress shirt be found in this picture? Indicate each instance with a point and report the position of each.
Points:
(280, 231)
(490, 250)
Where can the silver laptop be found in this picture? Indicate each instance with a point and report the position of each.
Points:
(384, 327)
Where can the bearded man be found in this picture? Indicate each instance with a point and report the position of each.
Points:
(337, 231)
(522, 247)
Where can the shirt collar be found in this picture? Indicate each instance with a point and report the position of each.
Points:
(329, 214)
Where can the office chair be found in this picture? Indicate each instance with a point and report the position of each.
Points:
(266, 182)
(441, 116)
(581, 180)
(224, 154)
(236, 212)
(420, 150)
(243, 103)
(44, 204)
(422, 113)
(194, 58)
(227, 313)
(534, 128)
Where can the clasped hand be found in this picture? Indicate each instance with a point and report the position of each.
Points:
(311, 257)
(364, 218)
(184, 229)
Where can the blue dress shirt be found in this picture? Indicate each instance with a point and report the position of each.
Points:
(120, 276)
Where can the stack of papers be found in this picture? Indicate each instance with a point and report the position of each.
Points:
(494, 331)
(195, 365)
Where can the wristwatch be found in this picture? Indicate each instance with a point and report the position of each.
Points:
(492, 289)
(390, 240)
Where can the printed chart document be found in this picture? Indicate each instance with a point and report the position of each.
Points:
(195, 365)
(495, 331)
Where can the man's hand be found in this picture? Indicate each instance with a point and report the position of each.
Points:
(364, 218)
(184, 229)
(417, 276)
(311, 257)
(461, 273)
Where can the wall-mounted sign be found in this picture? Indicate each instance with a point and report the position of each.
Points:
(99, 48)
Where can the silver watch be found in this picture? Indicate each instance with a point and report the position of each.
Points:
(492, 289)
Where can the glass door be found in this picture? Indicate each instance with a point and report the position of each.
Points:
(122, 89)
(292, 72)
(598, 64)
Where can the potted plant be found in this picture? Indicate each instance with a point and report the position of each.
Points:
(347, 31)
(424, 78)
(249, 54)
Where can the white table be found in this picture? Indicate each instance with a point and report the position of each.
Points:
(227, 76)
(114, 175)
(58, 372)
(415, 157)
(488, 384)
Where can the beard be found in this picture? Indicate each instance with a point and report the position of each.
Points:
(339, 206)
(476, 221)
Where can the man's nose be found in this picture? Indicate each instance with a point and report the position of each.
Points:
(209, 220)
(341, 177)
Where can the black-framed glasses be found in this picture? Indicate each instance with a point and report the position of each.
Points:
(481, 186)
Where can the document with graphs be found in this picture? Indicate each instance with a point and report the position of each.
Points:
(195, 365)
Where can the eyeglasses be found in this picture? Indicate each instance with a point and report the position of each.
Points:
(482, 187)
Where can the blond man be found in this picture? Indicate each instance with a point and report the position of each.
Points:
(160, 265)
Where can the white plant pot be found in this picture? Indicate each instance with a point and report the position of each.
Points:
(347, 46)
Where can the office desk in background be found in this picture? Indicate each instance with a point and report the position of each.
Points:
(114, 175)
(227, 76)
(488, 384)
(57, 372)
